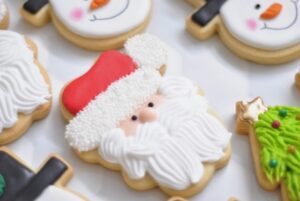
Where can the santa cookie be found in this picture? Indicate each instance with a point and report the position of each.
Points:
(156, 130)
(24, 86)
(18, 182)
(264, 32)
(274, 137)
(4, 15)
(91, 24)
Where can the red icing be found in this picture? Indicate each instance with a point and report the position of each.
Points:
(110, 67)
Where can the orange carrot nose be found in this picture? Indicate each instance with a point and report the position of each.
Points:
(272, 12)
(97, 4)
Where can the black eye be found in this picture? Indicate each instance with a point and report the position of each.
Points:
(134, 118)
(150, 104)
(257, 6)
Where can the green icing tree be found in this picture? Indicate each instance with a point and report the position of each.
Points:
(2, 185)
(278, 132)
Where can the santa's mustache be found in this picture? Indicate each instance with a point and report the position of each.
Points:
(173, 149)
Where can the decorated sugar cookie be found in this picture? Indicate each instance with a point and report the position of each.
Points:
(91, 24)
(18, 182)
(4, 15)
(156, 130)
(264, 32)
(24, 86)
(274, 138)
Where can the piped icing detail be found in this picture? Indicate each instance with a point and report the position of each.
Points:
(278, 133)
(22, 86)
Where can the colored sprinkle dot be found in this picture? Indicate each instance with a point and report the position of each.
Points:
(276, 124)
(291, 149)
(298, 117)
(273, 163)
(283, 113)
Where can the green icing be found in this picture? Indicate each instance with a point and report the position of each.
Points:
(280, 148)
(2, 185)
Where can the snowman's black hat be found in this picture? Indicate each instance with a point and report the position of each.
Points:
(34, 6)
(22, 184)
(206, 13)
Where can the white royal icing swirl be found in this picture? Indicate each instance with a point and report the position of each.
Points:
(3, 10)
(116, 18)
(54, 193)
(22, 87)
(243, 21)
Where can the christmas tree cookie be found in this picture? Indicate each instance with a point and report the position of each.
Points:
(274, 134)
(262, 31)
(4, 15)
(18, 182)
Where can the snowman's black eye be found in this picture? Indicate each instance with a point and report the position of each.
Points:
(257, 6)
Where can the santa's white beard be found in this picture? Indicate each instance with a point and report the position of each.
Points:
(172, 149)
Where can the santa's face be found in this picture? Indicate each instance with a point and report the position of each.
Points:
(265, 24)
(109, 18)
(145, 114)
(168, 138)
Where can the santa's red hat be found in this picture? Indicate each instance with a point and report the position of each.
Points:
(113, 89)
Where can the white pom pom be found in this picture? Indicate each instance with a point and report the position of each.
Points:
(147, 51)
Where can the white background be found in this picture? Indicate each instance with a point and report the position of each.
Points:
(224, 77)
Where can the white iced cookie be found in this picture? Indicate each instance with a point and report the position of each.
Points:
(92, 24)
(24, 86)
(261, 31)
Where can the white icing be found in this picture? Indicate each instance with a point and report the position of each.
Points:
(172, 149)
(254, 109)
(147, 51)
(236, 13)
(22, 87)
(3, 10)
(135, 13)
(120, 100)
(53, 193)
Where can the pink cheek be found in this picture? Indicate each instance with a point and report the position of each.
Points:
(251, 24)
(77, 14)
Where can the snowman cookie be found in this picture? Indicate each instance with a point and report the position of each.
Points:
(274, 137)
(264, 32)
(157, 130)
(4, 15)
(24, 86)
(92, 24)
(18, 182)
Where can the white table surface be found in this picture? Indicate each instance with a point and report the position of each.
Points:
(224, 77)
